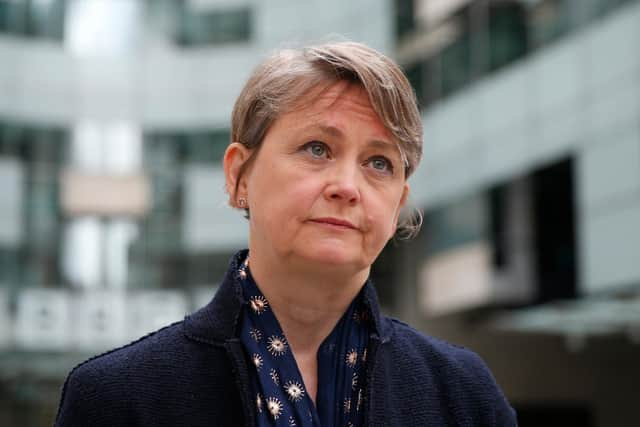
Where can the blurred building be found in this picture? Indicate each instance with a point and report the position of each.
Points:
(113, 118)
(113, 220)
(530, 182)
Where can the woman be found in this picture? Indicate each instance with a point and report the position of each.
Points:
(324, 141)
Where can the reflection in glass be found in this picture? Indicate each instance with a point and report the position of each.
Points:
(96, 252)
(86, 149)
(103, 27)
(115, 148)
(119, 234)
(123, 148)
(214, 27)
(36, 18)
(83, 252)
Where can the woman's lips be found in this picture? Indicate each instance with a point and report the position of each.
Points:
(336, 222)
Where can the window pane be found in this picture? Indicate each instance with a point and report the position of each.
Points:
(37, 18)
(16, 16)
(4, 15)
(405, 17)
(461, 222)
(415, 75)
(214, 27)
(508, 34)
(104, 27)
(83, 252)
(205, 146)
(119, 234)
(455, 65)
(46, 19)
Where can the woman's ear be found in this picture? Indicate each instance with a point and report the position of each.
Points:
(234, 158)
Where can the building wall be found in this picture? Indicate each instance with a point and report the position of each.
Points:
(165, 87)
(151, 94)
(599, 374)
(158, 87)
(578, 97)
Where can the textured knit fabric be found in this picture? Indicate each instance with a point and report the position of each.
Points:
(195, 373)
(275, 381)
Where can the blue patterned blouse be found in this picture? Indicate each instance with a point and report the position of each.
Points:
(280, 395)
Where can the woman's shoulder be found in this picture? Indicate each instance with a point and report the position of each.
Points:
(203, 331)
(421, 345)
(447, 370)
(138, 379)
(163, 344)
(109, 380)
(438, 358)
(117, 367)
(167, 350)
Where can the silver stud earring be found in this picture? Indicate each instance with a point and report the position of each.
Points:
(242, 202)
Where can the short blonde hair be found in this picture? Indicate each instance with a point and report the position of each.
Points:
(280, 83)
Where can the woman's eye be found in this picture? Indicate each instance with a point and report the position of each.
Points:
(381, 164)
(317, 149)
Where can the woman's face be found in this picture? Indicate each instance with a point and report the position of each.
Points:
(327, 184)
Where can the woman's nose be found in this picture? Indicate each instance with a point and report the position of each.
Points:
(343, 185)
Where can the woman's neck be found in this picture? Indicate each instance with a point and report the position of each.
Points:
(307, 300)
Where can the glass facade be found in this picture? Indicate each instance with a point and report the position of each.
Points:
(124, 26)
(482, 37)
(213, 27)
(461, 222)
(39, 153)
(44, 19)
(75, 282)
(158, 257)
(55, 247)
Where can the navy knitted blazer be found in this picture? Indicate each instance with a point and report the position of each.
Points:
(194, 373)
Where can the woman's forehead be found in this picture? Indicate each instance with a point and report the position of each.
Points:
(330, 93)
(332, 109)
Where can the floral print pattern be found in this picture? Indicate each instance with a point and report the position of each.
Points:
(281, 397)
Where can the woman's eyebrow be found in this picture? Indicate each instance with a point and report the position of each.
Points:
(380, 144)
(335, 131)
(327, 129)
